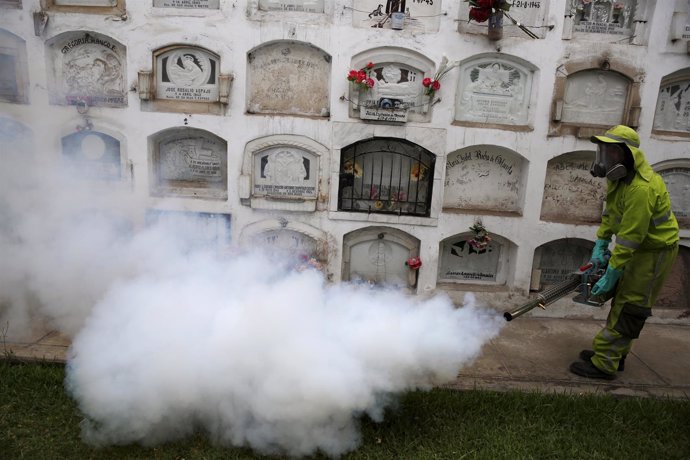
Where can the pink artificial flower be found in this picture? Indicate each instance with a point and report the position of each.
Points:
(370, 82)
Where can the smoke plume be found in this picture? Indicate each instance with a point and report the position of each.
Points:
(168, 340)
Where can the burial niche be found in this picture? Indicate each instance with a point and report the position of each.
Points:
(676, 175)
(485, 177)
(416, 16)
(14, 71)
(615, 17)
(377, 256)
(194, 230)
(532, 14)
(288, 77)
(571, 194)
(386, 176)
(557, 260)
(672, 115)
(188, 162)
(465, 258)
(595, 97)
(94, 155)
(86, 68)
(188, 4)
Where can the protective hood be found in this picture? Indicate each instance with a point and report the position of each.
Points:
(621, 134)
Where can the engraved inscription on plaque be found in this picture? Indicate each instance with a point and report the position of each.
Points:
(189, 4)
(289, 77)
(602, 16)
(90, 69)
(560, 259)
(494, 92)
(595, 97)
(379, 261)
(187, 74)
(285, 172)
(460, 261)
(308, 6)
(93, 155)
(85, 2)
(484, 177)
(397, 90)
(289, 244)
(571, 194)
(673, 107)
(678, 185)
(417, 15)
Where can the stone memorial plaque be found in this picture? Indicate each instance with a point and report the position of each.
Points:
(14, 76)
(571, 194)
(189, 4)
(595, 97)
(93, 155)
(560, 259)
(15, 137)
(678, 185)
(85, 2)
(89, 69)
(397, 90)
(290, 78)
(460, 261)
(415, 15)
(484, 177)
(531, 13)
(307, 6)
(187, 74)
(379, 261)
(494, 92)
(602, 16)
(673, 107)
(198, 230)
(9, 89)
(285, 172)
(192, 161)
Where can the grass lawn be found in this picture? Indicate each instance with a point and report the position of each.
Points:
(38, 420)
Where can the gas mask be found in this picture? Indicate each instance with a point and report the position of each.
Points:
(609, 162)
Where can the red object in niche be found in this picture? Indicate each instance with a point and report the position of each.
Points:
(414, 263)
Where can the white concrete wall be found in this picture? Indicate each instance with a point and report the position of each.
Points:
(237, 28)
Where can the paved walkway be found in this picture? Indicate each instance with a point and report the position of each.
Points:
(530, 354)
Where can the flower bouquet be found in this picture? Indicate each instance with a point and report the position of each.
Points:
(432, 85)
(481, 238)
(481, 10)
(360, 78)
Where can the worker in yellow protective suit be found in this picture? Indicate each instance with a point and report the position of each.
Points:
(638, 212)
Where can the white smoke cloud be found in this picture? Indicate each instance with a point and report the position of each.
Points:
(167, 341)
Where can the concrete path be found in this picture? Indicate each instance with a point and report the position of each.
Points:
(530, 354)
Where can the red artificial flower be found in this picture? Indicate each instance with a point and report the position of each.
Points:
(426, 82)
(480, 14)
(352, 76)
(370, 82)
(370, 65)
(485, 3)
(436, 85)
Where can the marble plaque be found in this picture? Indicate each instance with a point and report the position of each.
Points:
(483, 177)
(494, 92)
(560, 259)
(189, 4)
(419, 15)
(531, 13)
(678, 185)
(85, 2)
(192, 159)
(197, 230)
(379, 261)
(285, 172)
(307, 6)
(602, 16)
(673, 107)
(595, 97)
(89, 69)
(286, 243)
(290, 78)
(187, 74)
(571, 194)
(93, 155)
(460, 261)
(397, 90)
(15, 137)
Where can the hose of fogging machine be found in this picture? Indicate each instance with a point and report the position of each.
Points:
(546, 297)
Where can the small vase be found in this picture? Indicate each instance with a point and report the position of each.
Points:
(496, 25)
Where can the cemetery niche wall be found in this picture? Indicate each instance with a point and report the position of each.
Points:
(594, 94)
(14, 70)
(486, 178)
(415, 16)
(494, 92)
(188, 162)
(532, 14)
(398, 94)
(290, 78)
(85, 6)
(281, 172)
(184, 79)
(557, 260)
(676, 175)
(86, 68)
(377, 256)
(465, 260)
(194, 230)
(95, 155)
(571, 194)
(672, 114)
(386, 176)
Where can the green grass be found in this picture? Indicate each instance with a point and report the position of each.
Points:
(38, 421)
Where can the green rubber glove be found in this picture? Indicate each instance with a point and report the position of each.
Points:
(598, 253)
(607, 282)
